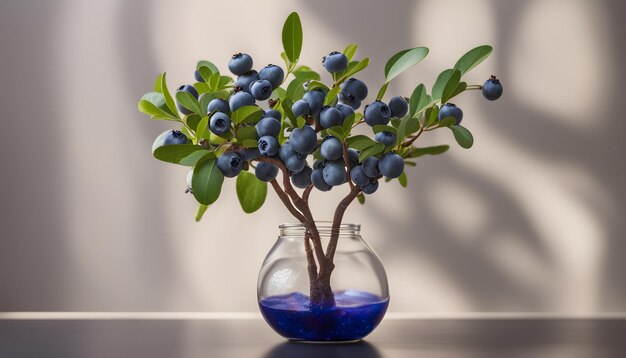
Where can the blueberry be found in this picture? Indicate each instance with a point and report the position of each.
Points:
(399, 107)
(240, 63)
(174, 137)
(272, 73)
(189, 89)
(266, 171)
(219, 123)
(354, 105)
(303, 140)
(218, 105)
(273, 113)
(370, 167)
(371, 187)
(268, 146)
(451, 110)
(317, 178)
(261, 90)
(302, 179)
(353, 157)
(345, 110)
(391, 165)
(331, 148)
(354, 89)
(358, 176)
(315, 100)
(244, 81)
(239, 100)
(334, 173)
(492, 88)
(268, 126)
(294, 161)
(229, 164)
(248, 154)
(386, 138)
(198, 76)
(335, 62)
(330, 117)
(300, 108)
(319, 164)
(377, 112)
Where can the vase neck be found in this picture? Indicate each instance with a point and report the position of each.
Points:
(325, 228)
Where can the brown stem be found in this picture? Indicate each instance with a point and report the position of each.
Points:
(311, 266)
(346, 159)
(341, 209)
(413, 138)
(285, 199)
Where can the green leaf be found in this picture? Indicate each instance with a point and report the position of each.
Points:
(402, 179)
(289, 118)
(451, 86)
(192, 120)
(295, 90)
(203, 102)
(360, 142)
(188, 101)
(463, 136)
(300, 122)
(381, 91)
(292, 37)
(148, 107)
(419, 100)
(459, 89)
(317, 84)
(431, 116)
(350, 50)
(207, 64)
(348, 122)
(370, 151)
(331, 96)
(214, 82)
(447, 122)
(205, 73)
(352, 71)
(279, 92)
(472, 58)
(251, 192)
(161, 87)
(201, 210)
(440, 83)
(361, 198)
(439, 149)
(247, 132)
(225, 82)
(206, 183)
(183, 154)
(247, 114)
(202, 129)
(287, 62)
(250, 143)
(337, 132)
(305, 73)
(410, 163)
(384, 128)
(403, 60)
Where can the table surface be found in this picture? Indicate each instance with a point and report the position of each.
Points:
(241, 338)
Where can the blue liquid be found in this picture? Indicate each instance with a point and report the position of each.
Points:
(354, 316)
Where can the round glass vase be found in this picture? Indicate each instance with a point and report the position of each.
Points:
(357, 292)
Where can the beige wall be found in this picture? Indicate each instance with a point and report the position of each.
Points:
(530, 219)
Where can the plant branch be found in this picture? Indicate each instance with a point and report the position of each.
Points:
(311, 266)
(413, 138)
(285, 199)
(341, 209)
(346, 159)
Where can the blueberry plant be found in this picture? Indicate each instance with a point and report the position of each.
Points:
(224, 132)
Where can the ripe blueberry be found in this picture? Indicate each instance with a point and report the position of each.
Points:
(268, 146)
(330, 117)
(399, 106)
(386, 138)
(240, 63)
(334, 173)
(293, 160)
(451, 110)
(358, 176)
(174, 137)
(302, 179)
(335, 62)
(248, 154)
(370, 167)
(353, 157)
(268, 126)
(377, 112)
(273, 113)
(198, 76)
(391, 165)
(371, 187)
(239, 100)
(218, 105)
(354, 90)
(315, 99)
(266, 171)
(345, 110)
(261, 89)
(219, 123)
(303, 140)
(244, 81)
(272, 73)
(300, 108)
(492, 88)
(331, 148)
(317, 178)
(229, 164)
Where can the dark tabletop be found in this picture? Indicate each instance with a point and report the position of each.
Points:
(242, 338)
